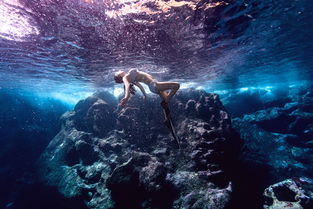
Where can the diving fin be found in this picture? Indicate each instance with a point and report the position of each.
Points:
(168, 121)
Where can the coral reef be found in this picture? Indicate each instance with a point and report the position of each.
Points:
(112, 158)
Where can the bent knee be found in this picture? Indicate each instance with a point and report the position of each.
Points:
(177, 86)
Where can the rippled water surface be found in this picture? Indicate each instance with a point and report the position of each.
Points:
(71, 46)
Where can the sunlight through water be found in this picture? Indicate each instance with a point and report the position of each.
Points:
(15, 25)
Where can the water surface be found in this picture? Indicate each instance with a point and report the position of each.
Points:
(70, 48)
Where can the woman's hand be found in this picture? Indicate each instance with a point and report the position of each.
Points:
(123, 102)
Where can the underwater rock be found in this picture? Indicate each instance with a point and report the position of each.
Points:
(111, 158)
(199, 192)
(94, 115)
(277, 138)
(240, 102)
(140, 180)
(271, 134)
(294, 193)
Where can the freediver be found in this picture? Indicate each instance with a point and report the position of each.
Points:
(135, 77)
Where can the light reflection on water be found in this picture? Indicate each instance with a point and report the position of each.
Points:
(46, 45)
(15, 24)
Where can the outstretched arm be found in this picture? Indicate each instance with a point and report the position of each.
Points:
(126, 92)
(141, 88)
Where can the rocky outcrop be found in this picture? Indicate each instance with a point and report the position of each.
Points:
(111, 158)
(275, 124)
(294, 193)
(281, 136)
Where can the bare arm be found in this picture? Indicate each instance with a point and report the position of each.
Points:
(127, 84)
(141, 88)
(126, 92)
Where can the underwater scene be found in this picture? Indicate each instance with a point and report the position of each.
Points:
(156, 104)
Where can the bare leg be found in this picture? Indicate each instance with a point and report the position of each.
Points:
(163, 86)
(163, 95)
(166, 97)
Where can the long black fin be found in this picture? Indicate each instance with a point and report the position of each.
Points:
(168, 121)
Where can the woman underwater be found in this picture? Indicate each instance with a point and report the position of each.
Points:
(134, 77)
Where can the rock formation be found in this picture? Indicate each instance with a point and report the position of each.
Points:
(294, 193)
(280, 136)
(126, 158)
(276, 126)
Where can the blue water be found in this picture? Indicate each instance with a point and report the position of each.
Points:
(66, 49)
(254, 53)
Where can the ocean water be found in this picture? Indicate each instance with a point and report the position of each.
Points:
(66, 47)
(255, 54)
